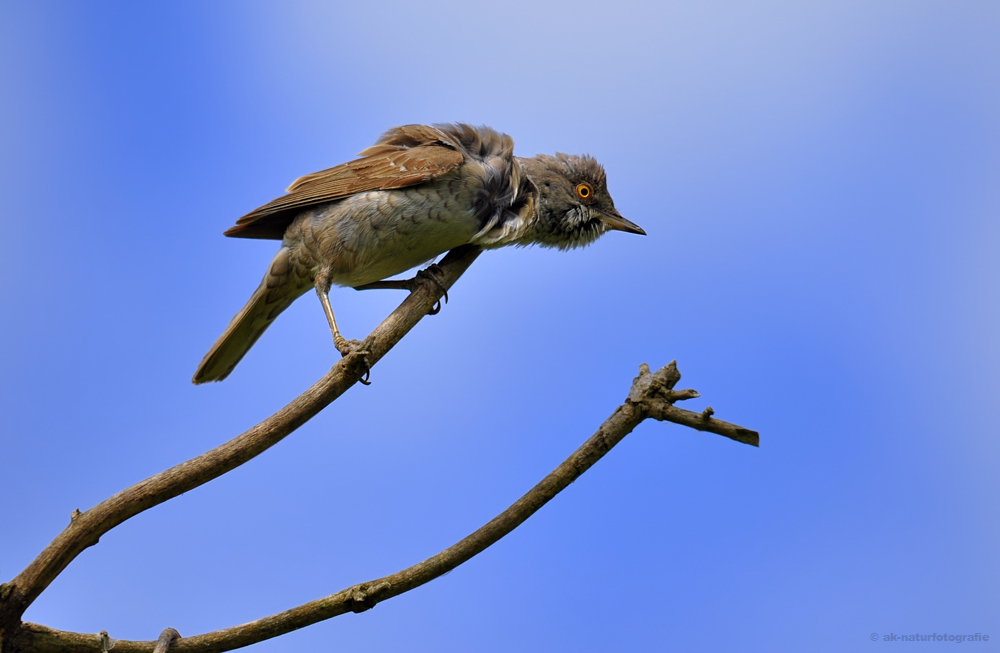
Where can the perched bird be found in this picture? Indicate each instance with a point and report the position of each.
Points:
(417, 193)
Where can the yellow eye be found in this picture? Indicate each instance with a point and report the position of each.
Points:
(584, 191)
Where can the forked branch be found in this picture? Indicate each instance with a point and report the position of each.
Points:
(652, 395)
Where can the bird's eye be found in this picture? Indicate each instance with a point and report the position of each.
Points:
(584, 191)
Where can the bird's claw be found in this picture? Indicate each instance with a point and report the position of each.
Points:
(368, 372)
(433, 272)
(347, 347)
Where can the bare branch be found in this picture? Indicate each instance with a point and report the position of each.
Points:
(86, 528)
(662, 385)
(651, 395)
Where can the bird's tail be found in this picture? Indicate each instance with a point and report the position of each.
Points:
(276, 292)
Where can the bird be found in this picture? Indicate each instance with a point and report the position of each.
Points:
(420, 191)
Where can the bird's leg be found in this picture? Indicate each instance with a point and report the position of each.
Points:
(344, 346)
(323, 292)
(432, 272)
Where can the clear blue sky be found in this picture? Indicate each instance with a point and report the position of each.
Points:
(821, 187)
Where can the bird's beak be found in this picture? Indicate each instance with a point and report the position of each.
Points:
(615, 221)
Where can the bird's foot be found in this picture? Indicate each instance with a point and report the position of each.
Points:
(347, 347)
(432, 272)
(435, 274)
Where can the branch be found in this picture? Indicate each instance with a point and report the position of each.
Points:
(86, 528)
(661, 385)
(651, 396)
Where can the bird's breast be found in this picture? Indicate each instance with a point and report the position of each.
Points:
(378, 234)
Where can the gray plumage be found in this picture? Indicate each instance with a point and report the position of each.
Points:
(417, 193)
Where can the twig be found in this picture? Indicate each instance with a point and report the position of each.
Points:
(662, 385)
(651, 395)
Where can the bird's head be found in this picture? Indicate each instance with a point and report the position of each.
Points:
(574, 207)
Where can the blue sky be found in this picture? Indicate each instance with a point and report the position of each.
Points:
(819, 182)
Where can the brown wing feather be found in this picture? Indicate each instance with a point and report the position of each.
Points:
(404, 156)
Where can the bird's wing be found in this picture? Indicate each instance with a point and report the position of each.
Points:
(404, 156)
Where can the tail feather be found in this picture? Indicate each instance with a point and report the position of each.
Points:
(276, 293)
